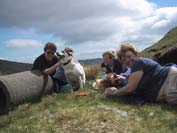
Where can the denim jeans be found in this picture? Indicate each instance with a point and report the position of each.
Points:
(59, 74)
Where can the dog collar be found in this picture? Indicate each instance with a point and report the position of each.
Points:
(66, 63)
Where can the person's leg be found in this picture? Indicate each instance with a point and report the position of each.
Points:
(59, 74)
(60, 86)
(171, 90)
(60, 79)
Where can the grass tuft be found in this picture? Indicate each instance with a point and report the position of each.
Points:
(66, 113)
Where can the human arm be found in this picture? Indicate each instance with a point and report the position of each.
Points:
(103, 68)
(118, 77)
(133, 82)
(51, 69)
(40, 64)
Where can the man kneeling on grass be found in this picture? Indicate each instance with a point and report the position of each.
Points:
(48, 62)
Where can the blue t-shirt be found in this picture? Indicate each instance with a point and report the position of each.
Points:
(152, 80)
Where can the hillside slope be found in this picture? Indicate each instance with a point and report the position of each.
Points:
(165, 50)
(91, 61)
(9, 67)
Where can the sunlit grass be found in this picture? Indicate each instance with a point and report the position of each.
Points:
(92, 71)
(66, 113)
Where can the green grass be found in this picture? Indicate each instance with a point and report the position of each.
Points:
(163, 46)
(66, 113)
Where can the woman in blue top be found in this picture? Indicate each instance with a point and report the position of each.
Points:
(148, 79)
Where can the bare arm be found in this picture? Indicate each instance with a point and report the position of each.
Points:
(133, 82)
(103, 69)
(51, 69)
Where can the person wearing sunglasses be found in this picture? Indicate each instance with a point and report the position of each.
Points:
(48, 62)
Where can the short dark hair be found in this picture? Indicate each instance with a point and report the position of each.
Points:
(51, 46)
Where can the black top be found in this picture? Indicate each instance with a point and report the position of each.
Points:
(41, 63)
(116, 68)
(152, 80)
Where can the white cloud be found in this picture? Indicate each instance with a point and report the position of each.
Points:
(61, 45)
(22, 43)
(165, 17)
(74, 21)
(90, 25)
(1, 58)
(141, 7)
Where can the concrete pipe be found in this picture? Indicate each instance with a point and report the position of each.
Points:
(18, 87)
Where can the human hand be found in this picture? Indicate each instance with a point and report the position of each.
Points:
(111, 91)
(103, 69)
(118, 77)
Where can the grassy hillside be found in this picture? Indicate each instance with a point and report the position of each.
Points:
(9, 67)
(165, 50)
(90, 114)
(91, 61)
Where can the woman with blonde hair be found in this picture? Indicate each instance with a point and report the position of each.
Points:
(148, 79)
(111, 64)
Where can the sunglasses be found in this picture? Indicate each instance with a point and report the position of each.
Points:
(50, 53)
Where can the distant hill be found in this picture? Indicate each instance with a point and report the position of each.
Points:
(91, 61)
(9, 67)
(165, 50)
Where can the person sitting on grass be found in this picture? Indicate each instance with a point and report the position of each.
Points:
(148, 79)
(111, 64)
(48, 62)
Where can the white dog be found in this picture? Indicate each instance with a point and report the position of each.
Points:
(74, 72)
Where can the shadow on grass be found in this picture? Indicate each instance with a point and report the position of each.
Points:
(125, 100)
(131, 100)
(168, 107)
(34, 100)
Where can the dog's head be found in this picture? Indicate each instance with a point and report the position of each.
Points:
(69, 51)
(65, 55)
(102, 84)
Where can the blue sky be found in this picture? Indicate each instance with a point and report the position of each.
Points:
(164, 3)
(89, 27)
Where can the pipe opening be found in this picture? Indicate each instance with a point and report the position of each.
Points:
(3, 99)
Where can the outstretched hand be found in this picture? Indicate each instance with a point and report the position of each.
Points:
(116, 78)
(111, 91)
(119, 78)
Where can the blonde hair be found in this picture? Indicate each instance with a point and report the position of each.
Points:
(127, 47)
(110, 53)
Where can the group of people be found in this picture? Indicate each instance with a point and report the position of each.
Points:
(147, 79)
(142, 77)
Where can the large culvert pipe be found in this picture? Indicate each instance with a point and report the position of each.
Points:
(18, 87)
